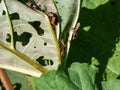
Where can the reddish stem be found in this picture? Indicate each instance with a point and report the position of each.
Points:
(5, 80)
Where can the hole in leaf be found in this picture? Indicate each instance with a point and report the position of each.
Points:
(17, 86)
(56, 2)
(48, 61)
(4, 12)
(36, 26)
(44, 62)
(34, 46)
(14, 16)
(24, 37)
(8, 38)
(45, 43)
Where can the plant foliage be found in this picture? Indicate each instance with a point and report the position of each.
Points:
(93, 61)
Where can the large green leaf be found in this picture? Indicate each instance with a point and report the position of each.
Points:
(55, 80)
(112, 84)
(112, 68)
(19, 81)
(92, 4)
(81, 77)
(29, 36)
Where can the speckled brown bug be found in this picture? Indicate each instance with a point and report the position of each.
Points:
(63, 47)
(75, 29)
(32, 5)
(53, 17)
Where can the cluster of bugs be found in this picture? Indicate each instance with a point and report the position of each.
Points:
(74, 36)
(54, 19)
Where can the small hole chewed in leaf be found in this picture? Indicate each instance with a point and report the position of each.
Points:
(8, 39)
(45, 44)
(56, 2)
(24, 37)
(4, 12)
(44, 62)
(17, 86)
(36, 26)
(48, 62)
(34, 46)
(14, 16)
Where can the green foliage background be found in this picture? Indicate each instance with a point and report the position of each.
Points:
(97, 44)
(98, 37)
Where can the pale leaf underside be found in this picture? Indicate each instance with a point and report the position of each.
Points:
(30, 33)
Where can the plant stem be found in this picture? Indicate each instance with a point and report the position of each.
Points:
(5, 80)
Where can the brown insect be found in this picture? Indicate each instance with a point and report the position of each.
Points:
(53, 17)
(32, 5)
(63, 47)
(75, 29)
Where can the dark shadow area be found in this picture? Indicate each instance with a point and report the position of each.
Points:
(17, 86)
(36, 26)
(1, 86)
(99, 32)
(44, 62)
(24, 38)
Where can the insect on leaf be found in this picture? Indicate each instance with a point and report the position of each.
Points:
(69, 13)
(26, 35)
(49, 8)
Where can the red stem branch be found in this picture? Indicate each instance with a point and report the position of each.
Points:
(5, 80)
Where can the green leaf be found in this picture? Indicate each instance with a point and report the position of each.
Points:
(92, 4)
(55, 80)
(81, 77)
(29, 36)
(112, 69)
(19, 80)
(112, 84)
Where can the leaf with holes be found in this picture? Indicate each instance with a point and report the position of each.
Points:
(26, 35)
(48, 7)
